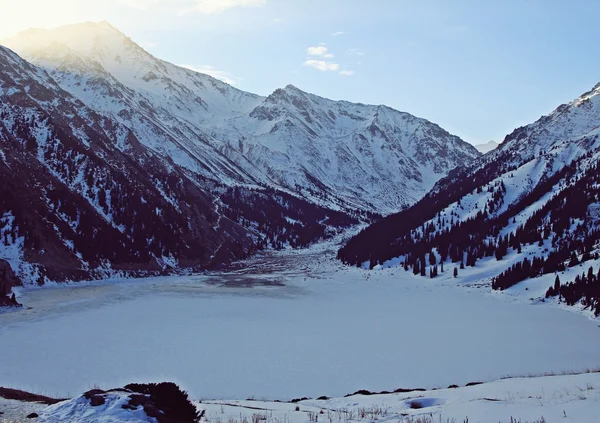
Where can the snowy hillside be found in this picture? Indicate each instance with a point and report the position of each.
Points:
(79, 194)
(81, 197)
(570, 398)
(164, 105)
(536, 196)
(369, 157)
(337, 154)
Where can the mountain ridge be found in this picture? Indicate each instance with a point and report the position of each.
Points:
(241, 145)
(533, 198)
(81, 197)
(180, 171)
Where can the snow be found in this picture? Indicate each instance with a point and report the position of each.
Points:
(12, 411)
(337, 154)
(329, 330)
(79, 409)
(566, 398)
(11, 250)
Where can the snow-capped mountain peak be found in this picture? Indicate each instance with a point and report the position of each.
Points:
(98, 40)
(339, 154)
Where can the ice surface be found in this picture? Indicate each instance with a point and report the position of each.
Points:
(329, 331)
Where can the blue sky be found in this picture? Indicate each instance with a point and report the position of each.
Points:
(477, 68)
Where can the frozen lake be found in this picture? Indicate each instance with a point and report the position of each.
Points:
(314, 329)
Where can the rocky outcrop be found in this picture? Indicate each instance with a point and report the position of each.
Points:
(8, 280)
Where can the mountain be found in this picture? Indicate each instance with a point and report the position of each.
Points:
(487, 147)
(79, 193)
(344, 156)
(531, 205)
(367, 157)
(82, 197)
(113, 162)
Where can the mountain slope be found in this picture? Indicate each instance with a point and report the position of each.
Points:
(164, 105)
(79, 194)
(532, 204)
(369, 157)
(81, 197)
(340, 155)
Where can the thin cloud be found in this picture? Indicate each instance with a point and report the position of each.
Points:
(206, 7)
(322, 65)
(219, 74)
(318, 51)
(339, 33)
(355, 52)
(277, 20)
(347, 72)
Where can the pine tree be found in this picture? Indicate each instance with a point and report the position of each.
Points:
(574, 260)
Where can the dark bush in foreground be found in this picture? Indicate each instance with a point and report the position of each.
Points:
(167, 397)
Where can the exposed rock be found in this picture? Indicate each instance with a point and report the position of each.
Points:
(138, 399)
(89, 394)
(8, 280)
(97, 400)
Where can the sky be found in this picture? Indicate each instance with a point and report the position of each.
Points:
(478, 68)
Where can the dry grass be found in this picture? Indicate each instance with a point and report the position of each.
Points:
(345, 416)
(548, 374)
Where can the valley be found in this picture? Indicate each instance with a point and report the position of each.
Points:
(286, 257)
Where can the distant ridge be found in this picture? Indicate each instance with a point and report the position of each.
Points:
(487, 147)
